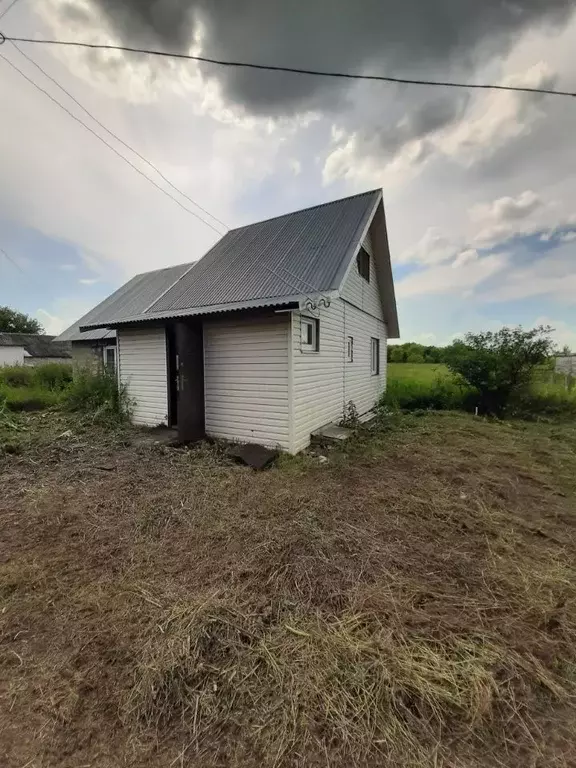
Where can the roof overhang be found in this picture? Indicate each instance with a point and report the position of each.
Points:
(294, 302)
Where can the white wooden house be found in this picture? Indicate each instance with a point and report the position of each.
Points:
(32, 349)
(270, 335)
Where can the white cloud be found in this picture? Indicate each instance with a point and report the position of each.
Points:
(52, 325)
(497, 119)
(553, 276)
(465, 257)
(443, 279)
(563, 334)
(67, 267)
(89, 280)
(434, 247)
(494, 120)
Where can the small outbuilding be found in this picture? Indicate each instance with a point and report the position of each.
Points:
(271, 335)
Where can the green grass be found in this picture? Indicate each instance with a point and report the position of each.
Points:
(431, 386)
(421, 372)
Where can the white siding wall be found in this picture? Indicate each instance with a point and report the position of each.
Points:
(362, 294)
(246, 364)
(11, 355)
(318, 381)
(142, 367)
(361, 387)
(324, 382)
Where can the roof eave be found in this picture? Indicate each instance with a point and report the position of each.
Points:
(150, 317)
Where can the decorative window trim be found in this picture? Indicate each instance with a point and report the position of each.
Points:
(374, 356)
(309, 334)
(349, 349)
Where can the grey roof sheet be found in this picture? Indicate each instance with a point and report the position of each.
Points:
(37, 345)
(280, 259)
(132, 298)
(298, 253)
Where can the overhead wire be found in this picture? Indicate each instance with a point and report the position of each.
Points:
(5, 11)
(293, 70)
(139, 155)
(110, 146)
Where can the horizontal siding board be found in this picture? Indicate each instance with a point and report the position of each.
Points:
(361, 387)
(366, 296)
(318, 387)
(323, 383)
(142, 368)
(246, 380)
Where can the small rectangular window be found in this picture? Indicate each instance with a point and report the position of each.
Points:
(350, 349)
(363, 262)
(110, 359)
(374, 357)
(310, 334)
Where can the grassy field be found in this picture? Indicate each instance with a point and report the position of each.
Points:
(421, 372)
(431, 386)
(410, 602)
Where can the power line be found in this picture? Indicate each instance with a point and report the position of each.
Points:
(4, 12)
(27, 274)
(106, 143)
(118, 139)
(294, 70)
(12, 261)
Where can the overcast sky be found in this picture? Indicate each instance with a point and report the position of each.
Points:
(479, 187)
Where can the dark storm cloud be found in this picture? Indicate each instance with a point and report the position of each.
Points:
(395, 36)
(420, 120)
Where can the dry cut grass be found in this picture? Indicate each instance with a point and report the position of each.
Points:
(409, 603)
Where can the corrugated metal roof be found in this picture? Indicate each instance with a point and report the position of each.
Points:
(37, 345)
(300, 253)
(133, 298)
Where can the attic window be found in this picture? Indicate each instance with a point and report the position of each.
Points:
(363, 261)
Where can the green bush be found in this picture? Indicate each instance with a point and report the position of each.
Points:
(97, 393)
(499, 365)
(28, 398)
(550, 406)
(17, 376)
(54, 376)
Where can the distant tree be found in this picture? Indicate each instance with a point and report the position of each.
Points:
(12, 321)
(566, 351)
(499, 365)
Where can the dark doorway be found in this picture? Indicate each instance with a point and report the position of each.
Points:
(188, 343)
(172, 376)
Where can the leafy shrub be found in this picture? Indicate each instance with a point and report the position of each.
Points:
(28, 398)
(543, 405)
(499, 365)
(17, 376)
(53, 376)
(97, 393)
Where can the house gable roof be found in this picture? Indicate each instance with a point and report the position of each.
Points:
(36, 345)
(272, 262)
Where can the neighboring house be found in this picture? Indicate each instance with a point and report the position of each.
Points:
(32, 349)
(566, 364)
(270, 335)
(90, 348)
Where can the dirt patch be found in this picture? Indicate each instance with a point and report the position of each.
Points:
(411, 602)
